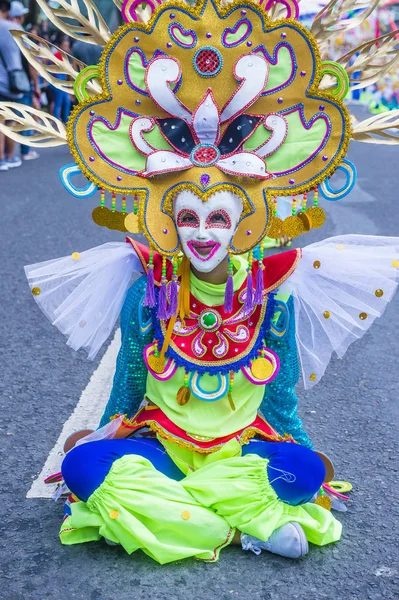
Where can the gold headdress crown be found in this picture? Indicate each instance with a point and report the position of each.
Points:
(209, 97)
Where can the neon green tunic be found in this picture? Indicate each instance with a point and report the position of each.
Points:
(213, 419)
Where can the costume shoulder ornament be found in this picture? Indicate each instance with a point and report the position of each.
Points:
(212, 96)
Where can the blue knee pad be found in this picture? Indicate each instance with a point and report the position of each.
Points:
(85, 467)
(295, 472)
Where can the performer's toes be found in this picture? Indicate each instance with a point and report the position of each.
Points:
(288, 541)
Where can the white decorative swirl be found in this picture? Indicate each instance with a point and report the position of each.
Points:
(241, 334)
(206, 120)
(279, 127)
(253, 71)
(222, 348)
(198, 347)
(183, 329)
(137, 128)
(160, 73)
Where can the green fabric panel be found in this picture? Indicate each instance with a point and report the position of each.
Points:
(299, 144)
(136, 71)
(183, 39)
(140, 508)
(156, 139)
(213, 295)
(188, 461)
(239, 490)
(117, 145)
(241, 31)
(214, 419)
(280, 72)
(259, 137)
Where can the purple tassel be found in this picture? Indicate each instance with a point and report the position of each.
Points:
(149, 299)
(249, 298)
(259, 286)
(228, 294)
(173, 297)
(162, 302)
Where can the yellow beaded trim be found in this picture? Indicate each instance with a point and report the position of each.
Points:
(245, 436)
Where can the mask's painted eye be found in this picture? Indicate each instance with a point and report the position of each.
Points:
(187, 218)
(218, 218)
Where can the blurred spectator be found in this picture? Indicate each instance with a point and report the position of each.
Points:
(10, 60)
(62, 100)
(87, 53)
(17, 15)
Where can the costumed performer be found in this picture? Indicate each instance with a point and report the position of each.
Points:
(204, 127)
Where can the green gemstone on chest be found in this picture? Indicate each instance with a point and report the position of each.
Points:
(209, 319)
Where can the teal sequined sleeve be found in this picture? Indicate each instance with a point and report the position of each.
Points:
(280, 402)
(131, 373)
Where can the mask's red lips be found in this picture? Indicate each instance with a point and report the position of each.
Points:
(203, 250)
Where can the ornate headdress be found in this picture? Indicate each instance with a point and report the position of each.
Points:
(233, 96)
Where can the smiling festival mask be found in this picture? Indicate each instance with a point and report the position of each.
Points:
(206, 228)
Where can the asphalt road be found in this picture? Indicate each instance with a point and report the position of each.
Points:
(352, 415)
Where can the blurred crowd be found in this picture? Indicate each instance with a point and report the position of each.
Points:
(19, 82)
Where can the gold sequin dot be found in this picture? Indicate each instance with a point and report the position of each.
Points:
(313, 377)
(185, 515)
(323, 501)
(326, 314)
(113, 514)
(36, 291)
(363, 316)
(395, 264)
(317, 264)
(340, 247)
(379, 293)
(75, 255)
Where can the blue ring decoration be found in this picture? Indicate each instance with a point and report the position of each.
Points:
(220, 57)
(329, 193)
(220, 391)
(200, 164)
(65, 175)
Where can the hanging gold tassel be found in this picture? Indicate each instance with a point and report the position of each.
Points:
(184, 292)
(184, 393)
(324, 501)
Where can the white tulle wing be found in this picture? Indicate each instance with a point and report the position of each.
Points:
(82, 294)
(340, 287)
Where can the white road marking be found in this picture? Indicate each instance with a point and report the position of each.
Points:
(86, 415)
